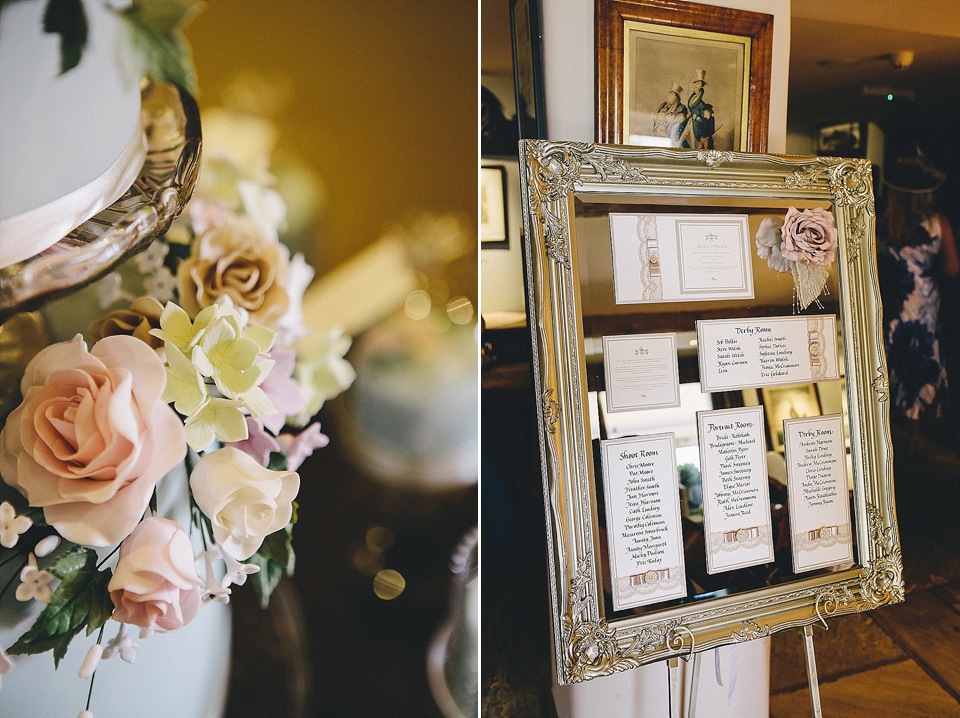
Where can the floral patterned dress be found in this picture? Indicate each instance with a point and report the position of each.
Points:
(911, 301)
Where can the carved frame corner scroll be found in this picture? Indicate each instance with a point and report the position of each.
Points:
(586, 644)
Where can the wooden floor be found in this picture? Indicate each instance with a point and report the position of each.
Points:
(900, 661)
(914, 674)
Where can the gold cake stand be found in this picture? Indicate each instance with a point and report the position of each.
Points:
(143, 212)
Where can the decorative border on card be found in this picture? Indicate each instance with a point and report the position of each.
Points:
(716, 540)
(608, 375)
(744, 290)
(676, 574)
(821, 337)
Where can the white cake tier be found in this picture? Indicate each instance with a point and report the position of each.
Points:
(183, 673)
(70, 144)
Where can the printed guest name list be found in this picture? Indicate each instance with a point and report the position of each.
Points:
(738, 353)
(641, 490)
(817, 485)
(736, 499)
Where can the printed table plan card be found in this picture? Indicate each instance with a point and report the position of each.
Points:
(642, 493)
(817, 485)
(748, 353)
(680, 257)
(736, 498)
(640, 371)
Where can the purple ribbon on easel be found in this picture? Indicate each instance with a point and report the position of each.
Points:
(733, 670)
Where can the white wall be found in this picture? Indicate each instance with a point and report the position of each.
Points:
(569, 67)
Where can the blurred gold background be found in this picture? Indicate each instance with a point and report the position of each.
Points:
(379, 99)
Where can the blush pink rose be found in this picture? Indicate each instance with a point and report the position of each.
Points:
(156, 582)
(809, 236)
(92, 437)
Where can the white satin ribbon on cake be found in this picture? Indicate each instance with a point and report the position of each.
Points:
(28, 234)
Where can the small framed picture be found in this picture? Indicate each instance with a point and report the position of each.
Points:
(493, 208)
(841, 140)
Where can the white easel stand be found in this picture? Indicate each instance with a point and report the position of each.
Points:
(643, 692)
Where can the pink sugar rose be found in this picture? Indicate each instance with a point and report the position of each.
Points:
(809, 236)
(92, 437)
(156, 582)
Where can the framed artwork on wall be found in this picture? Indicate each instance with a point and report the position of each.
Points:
(684, 75)
(493, 208)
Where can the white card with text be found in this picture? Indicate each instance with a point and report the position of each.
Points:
(680, 257)
(736, 497)
(641, 372)
(749, 353)
(819, 506)
(642, 494)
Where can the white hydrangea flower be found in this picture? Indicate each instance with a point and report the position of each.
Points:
(34, 583)
(11, 525)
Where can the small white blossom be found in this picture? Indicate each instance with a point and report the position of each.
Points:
(236, 572)
(151, 259)
(213, 591)
(123, 645)
(160, 285)
(109, 291)
(85, 714)
(35, 584)
(11, 525)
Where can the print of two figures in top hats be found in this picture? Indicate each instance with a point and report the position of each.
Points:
(690, 125)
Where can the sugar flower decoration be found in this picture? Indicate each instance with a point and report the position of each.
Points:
(155, 582)
(151, 259)
(322, 373)
(92, 437)
(299, 448)
(34, 583)
(244, 501)
(121, 645)
(11, 525)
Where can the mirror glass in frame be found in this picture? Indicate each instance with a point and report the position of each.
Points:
(638, 572)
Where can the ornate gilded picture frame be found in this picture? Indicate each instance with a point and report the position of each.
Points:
(581, 312)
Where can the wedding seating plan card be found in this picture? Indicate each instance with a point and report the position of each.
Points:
(642, 495)
(641, 371)
(680, 257)
(746, 353)
(736, 499)
(817, 486)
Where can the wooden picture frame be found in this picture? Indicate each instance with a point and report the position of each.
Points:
(677, 33)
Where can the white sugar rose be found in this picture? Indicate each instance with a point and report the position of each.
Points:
(244, 501)
(809, 236)
(92, 437)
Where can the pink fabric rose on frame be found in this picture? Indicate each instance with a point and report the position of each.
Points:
(156, 582)
(92, 437)
(809, 236)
